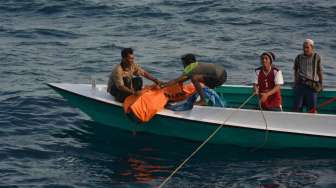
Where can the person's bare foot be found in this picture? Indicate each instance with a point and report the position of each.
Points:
(201, 103)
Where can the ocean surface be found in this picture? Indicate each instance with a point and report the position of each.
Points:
(44, 142)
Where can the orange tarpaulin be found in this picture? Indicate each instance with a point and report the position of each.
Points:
(179, 92)
(152, 100)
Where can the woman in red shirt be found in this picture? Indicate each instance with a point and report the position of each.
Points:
(267, 83)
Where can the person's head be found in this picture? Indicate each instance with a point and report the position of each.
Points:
(308, 47)
(266, 59)
(127, 56)
(188, 59)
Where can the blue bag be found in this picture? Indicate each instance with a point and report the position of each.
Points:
(212, 99)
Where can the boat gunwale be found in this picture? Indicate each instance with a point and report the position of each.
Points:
(283, 87)
(166, 114)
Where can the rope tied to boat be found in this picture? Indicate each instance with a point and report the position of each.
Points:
(266, 130)
(205, 142)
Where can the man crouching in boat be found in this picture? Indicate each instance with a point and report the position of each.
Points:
(121, 82)
(267, 83)
(211, 75)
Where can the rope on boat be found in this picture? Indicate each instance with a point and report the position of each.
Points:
(266, 130)
(135, 127)
(206, 141)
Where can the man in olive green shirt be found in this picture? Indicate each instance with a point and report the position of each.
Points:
(211, 75)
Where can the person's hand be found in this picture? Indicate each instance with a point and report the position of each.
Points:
(157, 81)
(163, 84)
(264, 97)
(256, 91)
(156, 86)
(137, 93)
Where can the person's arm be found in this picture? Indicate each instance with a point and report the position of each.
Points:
(269, 93)
(150, 77)
(141, 72)
(125, 89)
(255, 83)
(119, 83)
(256, 89)
(320, 71)
(320, 74)
(116, 79)
(181, 78)
(296, 67)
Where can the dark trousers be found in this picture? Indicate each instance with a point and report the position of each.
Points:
(214, 81)
(135, 83)
(304, 96)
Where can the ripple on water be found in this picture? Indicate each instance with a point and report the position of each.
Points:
(44, 142)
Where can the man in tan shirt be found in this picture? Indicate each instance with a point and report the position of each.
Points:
(125, 78)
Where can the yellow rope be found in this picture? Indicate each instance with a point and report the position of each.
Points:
(206, 141)
(266, 131)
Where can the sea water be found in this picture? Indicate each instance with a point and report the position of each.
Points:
(44, 142)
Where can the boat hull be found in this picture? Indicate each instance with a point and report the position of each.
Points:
(114, 116)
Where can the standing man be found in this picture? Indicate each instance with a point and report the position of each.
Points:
(308, 78)
(125, 78)
(268, 80)
(209, 74)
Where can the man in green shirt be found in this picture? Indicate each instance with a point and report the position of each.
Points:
(211, 75)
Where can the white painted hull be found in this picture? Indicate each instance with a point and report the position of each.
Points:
(319, 125)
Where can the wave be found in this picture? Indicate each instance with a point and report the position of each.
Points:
(184, 4)
(144, 12)
(53, 9)
(243, 21)
(105, 47)
(41, 32)
(202, 20)
(296, 10)
(69, 8)
(57, 33)
(17, 6)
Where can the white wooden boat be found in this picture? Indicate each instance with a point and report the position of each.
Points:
(246, 127)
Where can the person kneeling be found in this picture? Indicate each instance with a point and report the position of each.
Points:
(125, 78)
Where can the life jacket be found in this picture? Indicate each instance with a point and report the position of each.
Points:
(267, 83)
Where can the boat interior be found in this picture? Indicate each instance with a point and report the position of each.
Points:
(235, 95)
